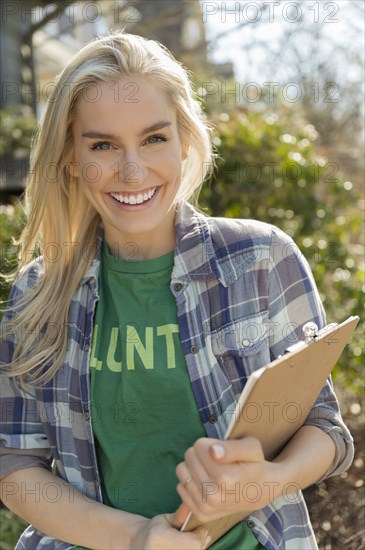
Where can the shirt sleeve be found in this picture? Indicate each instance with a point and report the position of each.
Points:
(293, 301)
(23, 442)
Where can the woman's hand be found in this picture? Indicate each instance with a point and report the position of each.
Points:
(158, 534)
(219, 478)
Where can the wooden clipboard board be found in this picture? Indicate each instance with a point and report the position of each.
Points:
(276, 401)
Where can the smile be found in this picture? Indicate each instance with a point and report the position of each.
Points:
(139, 198)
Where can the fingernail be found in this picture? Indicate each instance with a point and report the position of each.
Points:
(219, 451)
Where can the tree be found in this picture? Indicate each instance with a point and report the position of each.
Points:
(309, 54)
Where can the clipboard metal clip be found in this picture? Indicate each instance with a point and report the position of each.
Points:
(311, 334)
(310, 331)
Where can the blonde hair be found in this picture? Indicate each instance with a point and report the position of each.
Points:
(58, 212)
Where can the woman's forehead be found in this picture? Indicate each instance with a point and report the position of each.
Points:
(128, 90)
(129, 104)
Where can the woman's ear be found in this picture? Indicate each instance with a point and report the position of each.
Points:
(185, 150)
(184, 138)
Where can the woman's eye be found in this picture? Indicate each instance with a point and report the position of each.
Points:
(101, 146)
(156, 138)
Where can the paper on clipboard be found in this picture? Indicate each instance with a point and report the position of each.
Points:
(276, 401)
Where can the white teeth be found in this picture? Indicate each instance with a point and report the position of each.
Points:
(134, 199)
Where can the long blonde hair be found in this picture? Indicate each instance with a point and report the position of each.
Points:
(59, 214)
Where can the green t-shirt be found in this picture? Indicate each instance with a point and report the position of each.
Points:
(144, 413)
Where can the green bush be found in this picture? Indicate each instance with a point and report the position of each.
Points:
(11, 526)
(12, 219)
(269, 168)
(18, 124)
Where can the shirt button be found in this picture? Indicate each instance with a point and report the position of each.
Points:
(213, 419)
(194, 349)
(87, 415)
(178, 287)
(251, 523)
(87, 347)
(246, 342)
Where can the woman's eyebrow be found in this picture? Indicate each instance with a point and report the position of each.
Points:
(158, 126)
(101, 135)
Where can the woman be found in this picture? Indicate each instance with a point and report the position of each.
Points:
(128, 340)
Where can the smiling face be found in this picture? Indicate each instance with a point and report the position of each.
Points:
(127, 156)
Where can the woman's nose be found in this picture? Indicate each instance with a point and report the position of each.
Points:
(133, 172)
(132, 169)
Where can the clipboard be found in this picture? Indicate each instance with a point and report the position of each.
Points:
(276, 401)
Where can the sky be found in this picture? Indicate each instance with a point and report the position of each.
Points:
(250, 37)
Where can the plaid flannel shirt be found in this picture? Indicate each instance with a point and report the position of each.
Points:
(243, 292)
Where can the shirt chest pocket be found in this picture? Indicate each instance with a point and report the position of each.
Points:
(242, 346)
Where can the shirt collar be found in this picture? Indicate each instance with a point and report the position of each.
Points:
(196, 256)
(217, 248)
